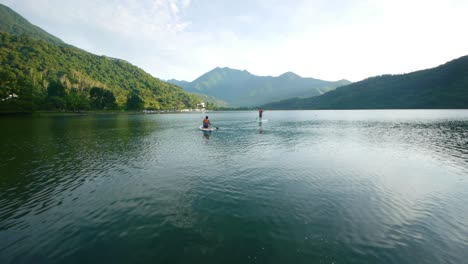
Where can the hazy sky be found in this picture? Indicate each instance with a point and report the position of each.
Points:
(325, 39)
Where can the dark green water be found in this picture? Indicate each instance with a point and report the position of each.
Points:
(301, 187)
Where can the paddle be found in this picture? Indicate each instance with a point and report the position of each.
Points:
(214, 126)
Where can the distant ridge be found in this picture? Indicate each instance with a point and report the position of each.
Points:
(241, 88)
(442, 87)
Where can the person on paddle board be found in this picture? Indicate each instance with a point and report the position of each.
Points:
(260, 113)
(206, 122)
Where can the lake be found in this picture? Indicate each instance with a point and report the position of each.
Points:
(299, 187)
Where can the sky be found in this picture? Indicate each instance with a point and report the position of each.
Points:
(324, 39)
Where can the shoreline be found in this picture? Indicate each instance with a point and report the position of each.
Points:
(84, 113)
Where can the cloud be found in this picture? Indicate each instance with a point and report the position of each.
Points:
(186, 3)
(126, 17)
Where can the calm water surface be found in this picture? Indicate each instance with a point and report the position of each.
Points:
(300, 187)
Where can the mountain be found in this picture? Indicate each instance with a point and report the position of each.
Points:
(179, 83)
(241, 88)
(13, 23)
(40, 72)
(443, 87)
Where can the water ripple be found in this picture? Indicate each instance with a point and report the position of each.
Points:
(311, 186)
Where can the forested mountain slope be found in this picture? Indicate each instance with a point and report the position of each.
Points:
(445, 86)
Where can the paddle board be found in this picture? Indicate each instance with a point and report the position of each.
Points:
(210, 129)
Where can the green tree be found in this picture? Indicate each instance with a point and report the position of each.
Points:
(134, 101)
(101, 98)
(77, 101)
(8, 84)
(56, 95)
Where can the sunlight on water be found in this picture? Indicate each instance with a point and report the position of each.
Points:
(298, 187)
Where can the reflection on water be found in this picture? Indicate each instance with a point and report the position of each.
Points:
(306, 186)
(206, 135)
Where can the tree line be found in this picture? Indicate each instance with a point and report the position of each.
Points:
(37, 75)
